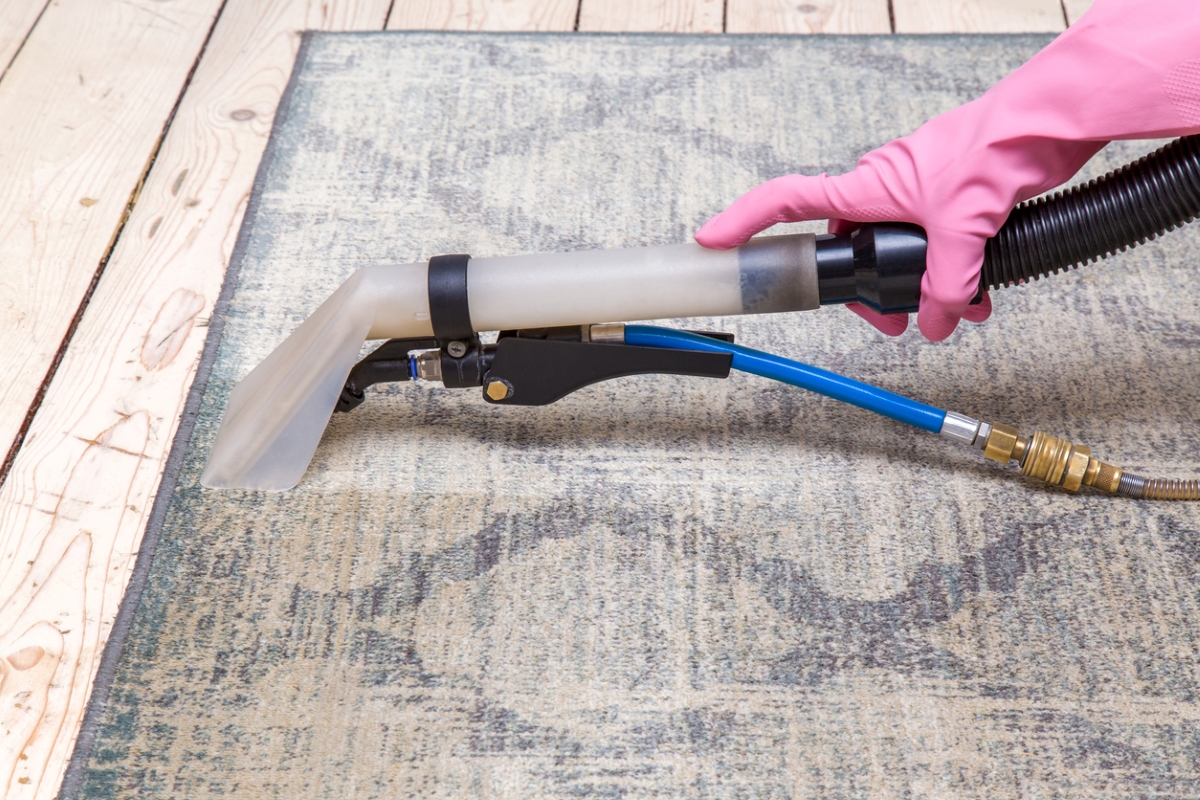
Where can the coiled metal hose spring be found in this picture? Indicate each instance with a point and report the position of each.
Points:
(1133, 205)
(1157, 488)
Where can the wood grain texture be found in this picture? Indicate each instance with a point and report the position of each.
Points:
(74, 507)
(978, 16)
(16, 19)
(815, 16)
(104, 76)
(663, 16)
(483, 15)
(1075, 9)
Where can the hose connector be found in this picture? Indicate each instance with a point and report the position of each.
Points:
(1051, 460)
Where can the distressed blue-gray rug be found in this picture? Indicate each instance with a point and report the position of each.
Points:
(664, 587)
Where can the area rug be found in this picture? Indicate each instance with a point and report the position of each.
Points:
(662, 587)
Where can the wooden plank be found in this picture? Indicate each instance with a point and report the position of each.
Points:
(483, 15)
(16, 19)
(816, 16)
(75, 504)
(664, 16)
(104, 76)
(1075, 9)
(978, 16)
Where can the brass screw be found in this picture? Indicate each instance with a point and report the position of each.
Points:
(497, 390)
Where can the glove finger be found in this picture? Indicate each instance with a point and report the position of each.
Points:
(793, 198)
(841, 226)
(936, 320)
(891, 324)
(981, 312)
(951, 280)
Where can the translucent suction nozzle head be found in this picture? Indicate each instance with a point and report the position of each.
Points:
(275, 417)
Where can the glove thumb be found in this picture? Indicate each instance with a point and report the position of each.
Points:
(793, 198)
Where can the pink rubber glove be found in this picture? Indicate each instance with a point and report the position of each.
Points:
(1125, 70)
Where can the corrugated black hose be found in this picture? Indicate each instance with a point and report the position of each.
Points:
(1135, 204)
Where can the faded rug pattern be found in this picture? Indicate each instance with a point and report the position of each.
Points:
(667, 587)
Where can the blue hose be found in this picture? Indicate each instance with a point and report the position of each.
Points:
(839, 387)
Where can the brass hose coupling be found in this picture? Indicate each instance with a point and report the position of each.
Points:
(1052, 460)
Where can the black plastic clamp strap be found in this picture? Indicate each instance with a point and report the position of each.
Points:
(449, 311)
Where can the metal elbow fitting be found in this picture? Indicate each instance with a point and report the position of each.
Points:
(1051, 460)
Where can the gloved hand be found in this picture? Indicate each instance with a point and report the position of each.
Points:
(1124, 70)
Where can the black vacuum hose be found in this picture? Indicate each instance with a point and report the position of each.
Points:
(1137, 203)
(881, 265)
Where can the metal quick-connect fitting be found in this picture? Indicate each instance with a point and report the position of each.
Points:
(1051, 459)
(960, 428)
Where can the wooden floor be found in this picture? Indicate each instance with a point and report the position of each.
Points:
(130, 132)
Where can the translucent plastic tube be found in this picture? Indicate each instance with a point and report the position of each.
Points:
(542, 290)
(766, 365)
(548, 289)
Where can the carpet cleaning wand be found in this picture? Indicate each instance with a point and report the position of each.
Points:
(546, 309)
